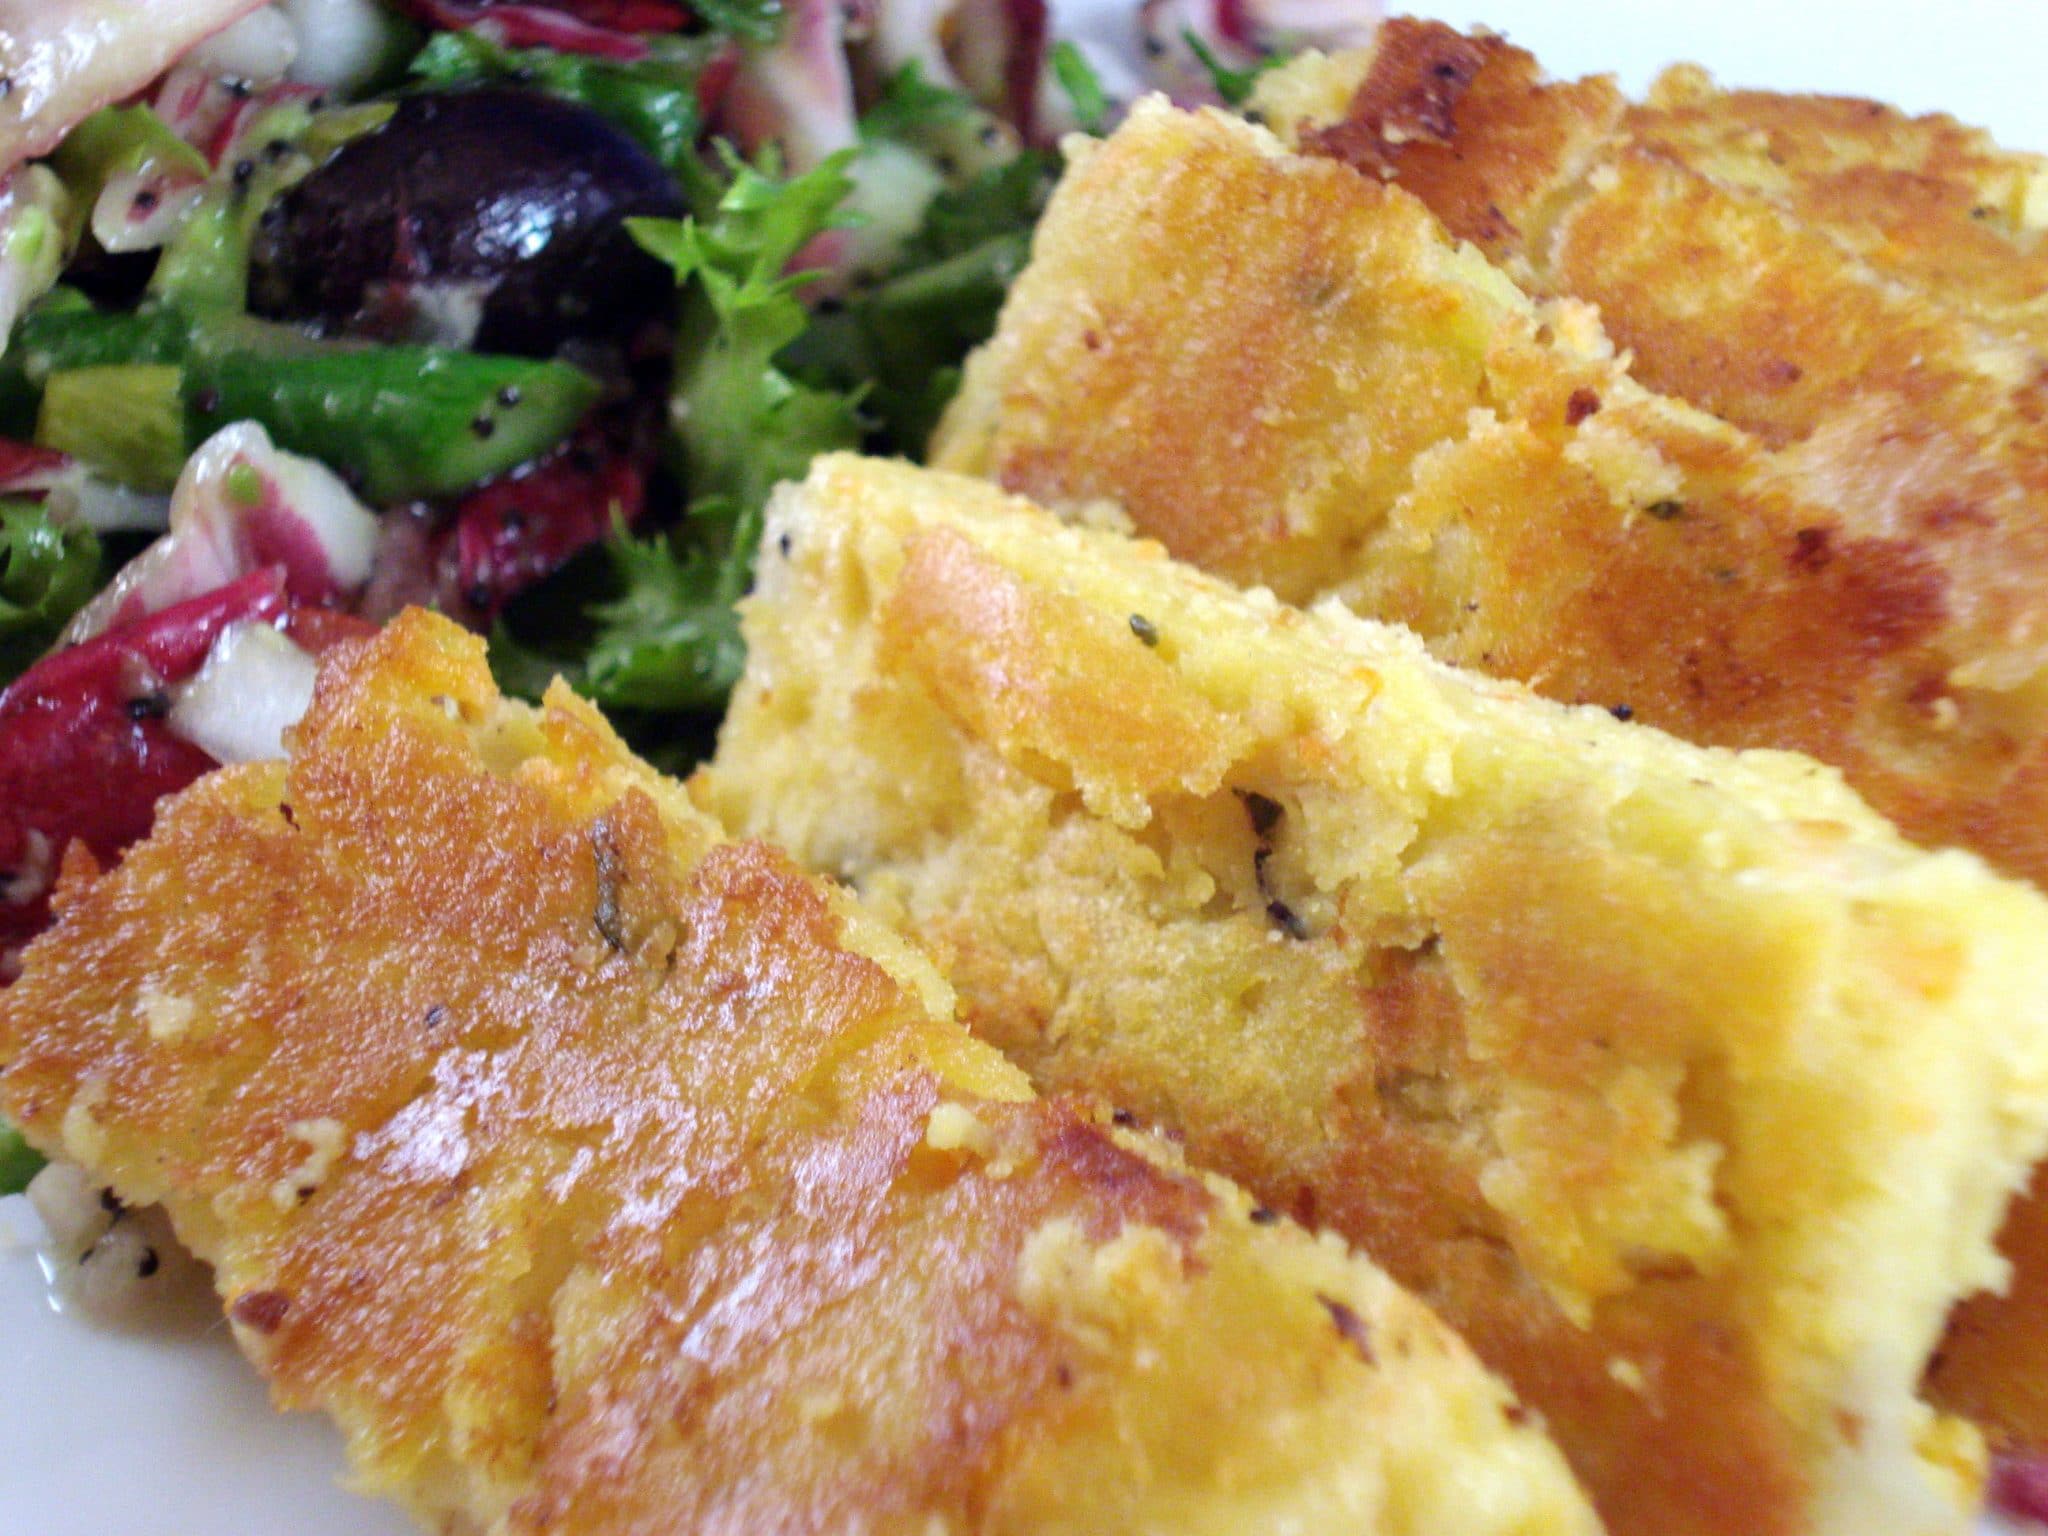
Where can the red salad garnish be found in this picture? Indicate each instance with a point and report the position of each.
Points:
(2019, 1487)
(509, 534)
(316, 630)
(84, 751)
(1029, 23)
(561, 26)
(26, 470)
(627, 15)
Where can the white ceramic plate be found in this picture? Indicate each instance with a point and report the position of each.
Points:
(164, 1432)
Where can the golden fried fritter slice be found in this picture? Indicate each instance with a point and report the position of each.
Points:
(1927, 200)
(1250, 362)
(1732, 243)
(1832, 274)
(602, 1175)
(1287, 373)
(1465, 121)
(1683, 1086)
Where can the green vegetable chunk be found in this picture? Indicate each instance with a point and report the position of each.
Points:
(206, 263)
(64, 333)
(125, 420)
(1233, 85)
(19, 1162)
(47, 573)
(115, 140)
(401, 422)
(1083, 86)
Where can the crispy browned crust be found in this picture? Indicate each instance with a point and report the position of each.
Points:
(1470, 125)
(601, 1175)
(1734, 254)
(1927, 200)
(1285, 374)
(1364, 930)
(1256, 372)
(1827, 272)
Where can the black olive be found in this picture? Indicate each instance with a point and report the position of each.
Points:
(116, 281)
(500, 203)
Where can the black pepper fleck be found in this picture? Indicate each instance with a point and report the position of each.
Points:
(611, 876)
(1666, 510)
(1144, 629)
(148, 1264)
(509, 396)
(1124, 1118)
(1265, 813)
(1350, 1326)
(1286, 919)
(484, 427)
(1622, 711)
(149, 706)
(146, 200)
(1264, 1216)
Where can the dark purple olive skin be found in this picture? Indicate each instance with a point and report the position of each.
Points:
(509, 192)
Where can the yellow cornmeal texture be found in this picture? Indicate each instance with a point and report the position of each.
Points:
(1684, 1088)
(1288, 373)
(1798, 265)
(599, 1174)
(1828, 273)
(1516, 162)
(1848, 561)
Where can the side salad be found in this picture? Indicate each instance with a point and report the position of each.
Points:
(316, 309)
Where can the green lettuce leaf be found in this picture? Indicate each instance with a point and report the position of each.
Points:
(47, 573)
(903, 339)
(19, 1162)
(666, 638)
(1233, 85)
(1083, 86)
